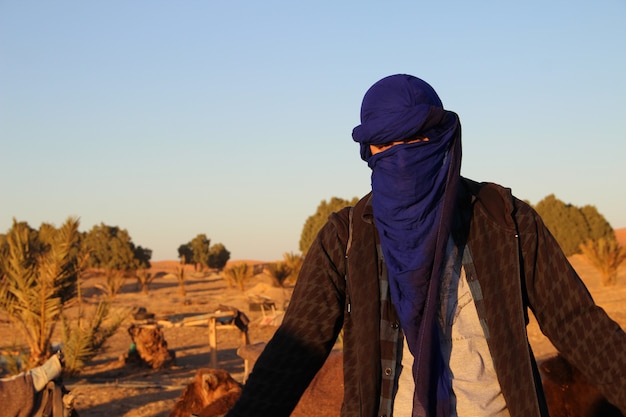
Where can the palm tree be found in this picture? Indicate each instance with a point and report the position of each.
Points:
(294, 263)
(144, 278)
(84, 336)
(279, 272)
(39, 271)
(606, 255)
(238, 274)
(180, 277)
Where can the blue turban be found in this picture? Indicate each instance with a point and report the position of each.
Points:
(397, 107)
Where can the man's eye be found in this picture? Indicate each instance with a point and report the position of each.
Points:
(415, 140)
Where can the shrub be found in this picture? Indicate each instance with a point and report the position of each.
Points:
(279, 272)
(237, 275)
(570, 225)
(85, 336)
(606, 255)
(144, 279)
(294, 263)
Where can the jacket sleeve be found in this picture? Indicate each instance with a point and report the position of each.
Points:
(579, 329)
(308, 332)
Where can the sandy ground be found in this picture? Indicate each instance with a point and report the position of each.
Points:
(108, 388)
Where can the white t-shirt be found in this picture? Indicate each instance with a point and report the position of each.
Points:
(475, 386)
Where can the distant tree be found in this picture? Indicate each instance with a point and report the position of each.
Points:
(570, 225)
(112, 249)
(144, 278)
(218, 256)
(142, 256)
(142, 274)
(314, 223)
(38, 276)
(606, 255)
(200, 246)
(180, 276)
(185, 253)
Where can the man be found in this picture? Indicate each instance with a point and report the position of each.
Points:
(431, 276)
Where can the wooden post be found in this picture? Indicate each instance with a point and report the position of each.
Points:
(211, 321)
(213, 342)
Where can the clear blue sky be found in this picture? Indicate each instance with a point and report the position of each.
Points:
(234, 118)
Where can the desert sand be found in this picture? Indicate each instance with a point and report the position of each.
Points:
(109, 388)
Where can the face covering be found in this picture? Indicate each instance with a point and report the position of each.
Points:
(414, 194)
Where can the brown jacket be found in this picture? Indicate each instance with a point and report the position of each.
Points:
(518, 265)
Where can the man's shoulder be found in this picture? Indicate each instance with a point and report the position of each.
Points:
(485, 189)
(363, 207)
(497, 201)
(356, 218)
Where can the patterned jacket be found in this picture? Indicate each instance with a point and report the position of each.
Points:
(517, 265)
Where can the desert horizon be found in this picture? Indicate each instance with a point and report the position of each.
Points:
(620, 235)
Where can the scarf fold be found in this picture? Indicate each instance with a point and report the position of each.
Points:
(414, 193)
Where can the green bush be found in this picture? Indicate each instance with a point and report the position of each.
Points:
(317, 220)
(570, 225)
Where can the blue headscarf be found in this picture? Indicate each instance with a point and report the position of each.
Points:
(414, 194)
